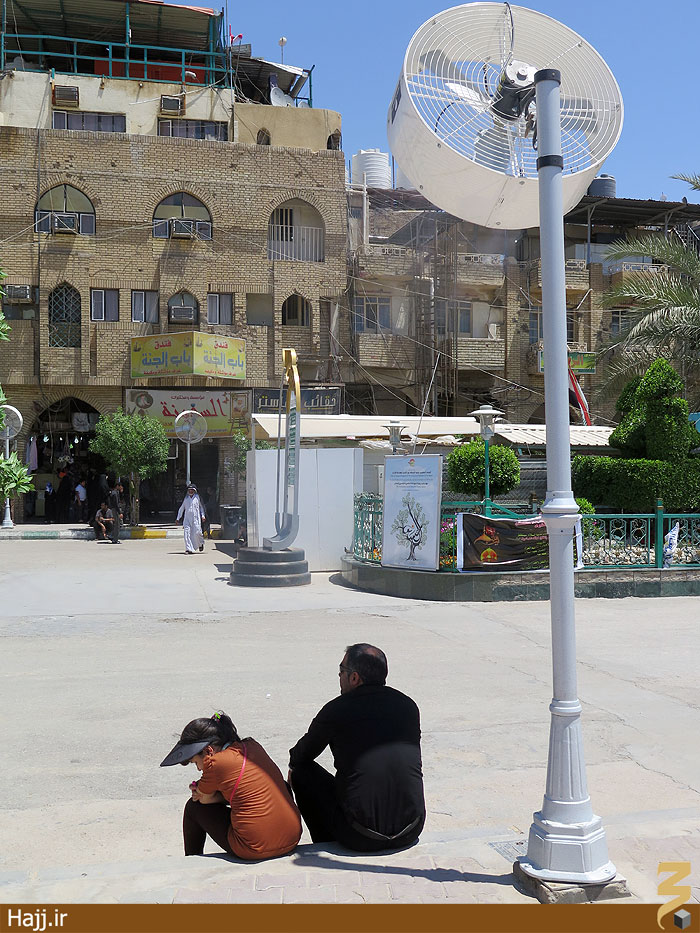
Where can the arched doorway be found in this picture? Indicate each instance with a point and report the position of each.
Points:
(58, 445)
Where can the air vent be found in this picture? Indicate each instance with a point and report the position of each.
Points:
(18, 294)
(65, 223)
(173, 106)
(182, 314)
(66, 95)
(183, 228)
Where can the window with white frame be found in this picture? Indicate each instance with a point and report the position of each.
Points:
(144, 307)
(219, 308)
(86, 120)
(372, 314)
(182, 215)
(194, 129)
(104, 304)
(65, 209)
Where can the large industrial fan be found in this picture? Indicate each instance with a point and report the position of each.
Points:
(463, 119)
(502, 116)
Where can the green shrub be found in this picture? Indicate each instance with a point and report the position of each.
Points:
(635, 485)
(585, 507)
(466, 471)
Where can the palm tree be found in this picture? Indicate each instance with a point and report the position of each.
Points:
(664, 315)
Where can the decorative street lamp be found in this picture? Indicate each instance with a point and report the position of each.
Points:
(486, 416)
(395, 430)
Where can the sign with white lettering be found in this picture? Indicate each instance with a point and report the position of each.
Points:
(315, 400)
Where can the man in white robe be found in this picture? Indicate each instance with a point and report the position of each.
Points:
(191, 513)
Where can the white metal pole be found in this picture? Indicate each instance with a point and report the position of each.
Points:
(567, 840)
(188, 464)
(7, 517)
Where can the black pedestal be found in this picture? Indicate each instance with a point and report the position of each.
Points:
(256, 566)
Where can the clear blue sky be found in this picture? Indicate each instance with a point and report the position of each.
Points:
(357, 48)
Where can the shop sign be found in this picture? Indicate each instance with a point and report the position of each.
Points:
(222, 409)
(581, 362)
(190, 353)
(315, 400)
(411, 525)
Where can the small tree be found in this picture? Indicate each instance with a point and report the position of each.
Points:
(410, 525)
(14, 478)
(133, 445)
(466, 469)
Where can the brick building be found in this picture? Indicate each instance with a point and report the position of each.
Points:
(430, 293)
(155, 181)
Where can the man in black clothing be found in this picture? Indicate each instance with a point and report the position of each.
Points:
(114, 503)
(375, 801)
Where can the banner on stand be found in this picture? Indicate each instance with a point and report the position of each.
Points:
(488, 543)
(411, 522)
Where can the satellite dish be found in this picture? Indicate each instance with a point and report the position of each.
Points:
(279, 99)
(191, 427)
(463, 116)
(13, 423)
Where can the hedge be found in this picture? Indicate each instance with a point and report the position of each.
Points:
(635, 485)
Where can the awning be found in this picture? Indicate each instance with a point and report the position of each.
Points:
(352, 427)
(534, 435)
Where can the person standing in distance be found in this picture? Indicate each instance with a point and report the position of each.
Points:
(375, 800)
(114, 504)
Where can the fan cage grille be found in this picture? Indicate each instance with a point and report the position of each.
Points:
(452, 68)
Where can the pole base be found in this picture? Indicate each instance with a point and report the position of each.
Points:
(552, 892)
(567, 852)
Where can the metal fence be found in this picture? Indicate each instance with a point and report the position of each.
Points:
(610, 541)
(300, 244)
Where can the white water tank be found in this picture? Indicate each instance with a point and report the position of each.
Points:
(375, 165)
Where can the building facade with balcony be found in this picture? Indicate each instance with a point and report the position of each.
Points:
(152, 187)
(446, 315)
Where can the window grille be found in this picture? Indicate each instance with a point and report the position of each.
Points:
(64, 317)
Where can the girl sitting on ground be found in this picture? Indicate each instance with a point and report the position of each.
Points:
(241, 800)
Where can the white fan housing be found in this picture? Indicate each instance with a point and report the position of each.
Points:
(190, 427)
(455, 127)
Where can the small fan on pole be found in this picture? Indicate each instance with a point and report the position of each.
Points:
(190, 427)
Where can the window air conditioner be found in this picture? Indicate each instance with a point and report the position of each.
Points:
(18, 294)
(66, 95)
(183, 228)
(172, 106)
(65, 223)
(182, 314)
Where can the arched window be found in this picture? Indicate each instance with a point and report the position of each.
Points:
(335, 141)
(264, 137)
(181, 215)
(183, 308)
(64, 317)
(64, 209)
(296, 232)
(296, 311)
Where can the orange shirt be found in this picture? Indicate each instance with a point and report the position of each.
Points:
(264, 820)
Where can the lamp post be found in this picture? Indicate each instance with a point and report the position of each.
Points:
(395, 430)
(486, 415)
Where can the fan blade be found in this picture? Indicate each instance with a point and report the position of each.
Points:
(492, 148)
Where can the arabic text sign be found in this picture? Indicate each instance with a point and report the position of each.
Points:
(582, 363)
(488, 543)
(221, 357)
(220, 408)
(315, 400)
(411, 523)
(161, 355)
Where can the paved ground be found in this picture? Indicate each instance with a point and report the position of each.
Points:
(107, 652)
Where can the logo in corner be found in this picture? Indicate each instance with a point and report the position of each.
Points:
(680, 893)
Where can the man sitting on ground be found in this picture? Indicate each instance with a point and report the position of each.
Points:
(103, 522)
(375, 801)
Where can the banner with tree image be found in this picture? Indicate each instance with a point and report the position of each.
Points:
(411, 523)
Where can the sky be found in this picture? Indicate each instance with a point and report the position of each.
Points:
(358, 47)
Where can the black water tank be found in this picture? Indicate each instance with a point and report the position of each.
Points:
(604, 186)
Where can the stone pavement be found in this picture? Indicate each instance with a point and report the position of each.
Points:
(107, 652)
(33, 531)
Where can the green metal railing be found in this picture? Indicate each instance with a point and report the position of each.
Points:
(611, 541)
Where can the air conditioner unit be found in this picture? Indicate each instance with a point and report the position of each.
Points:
(182, 314)
(183, 228)
(65, 223)
(66, 95)
(18, 294)
(172, 106)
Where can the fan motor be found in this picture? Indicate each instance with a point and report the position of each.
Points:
(515, 91)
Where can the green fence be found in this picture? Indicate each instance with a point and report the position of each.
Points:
(612, 541)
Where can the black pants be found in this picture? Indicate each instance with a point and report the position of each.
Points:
(314, 790)
(114, 535)
(205, 819)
